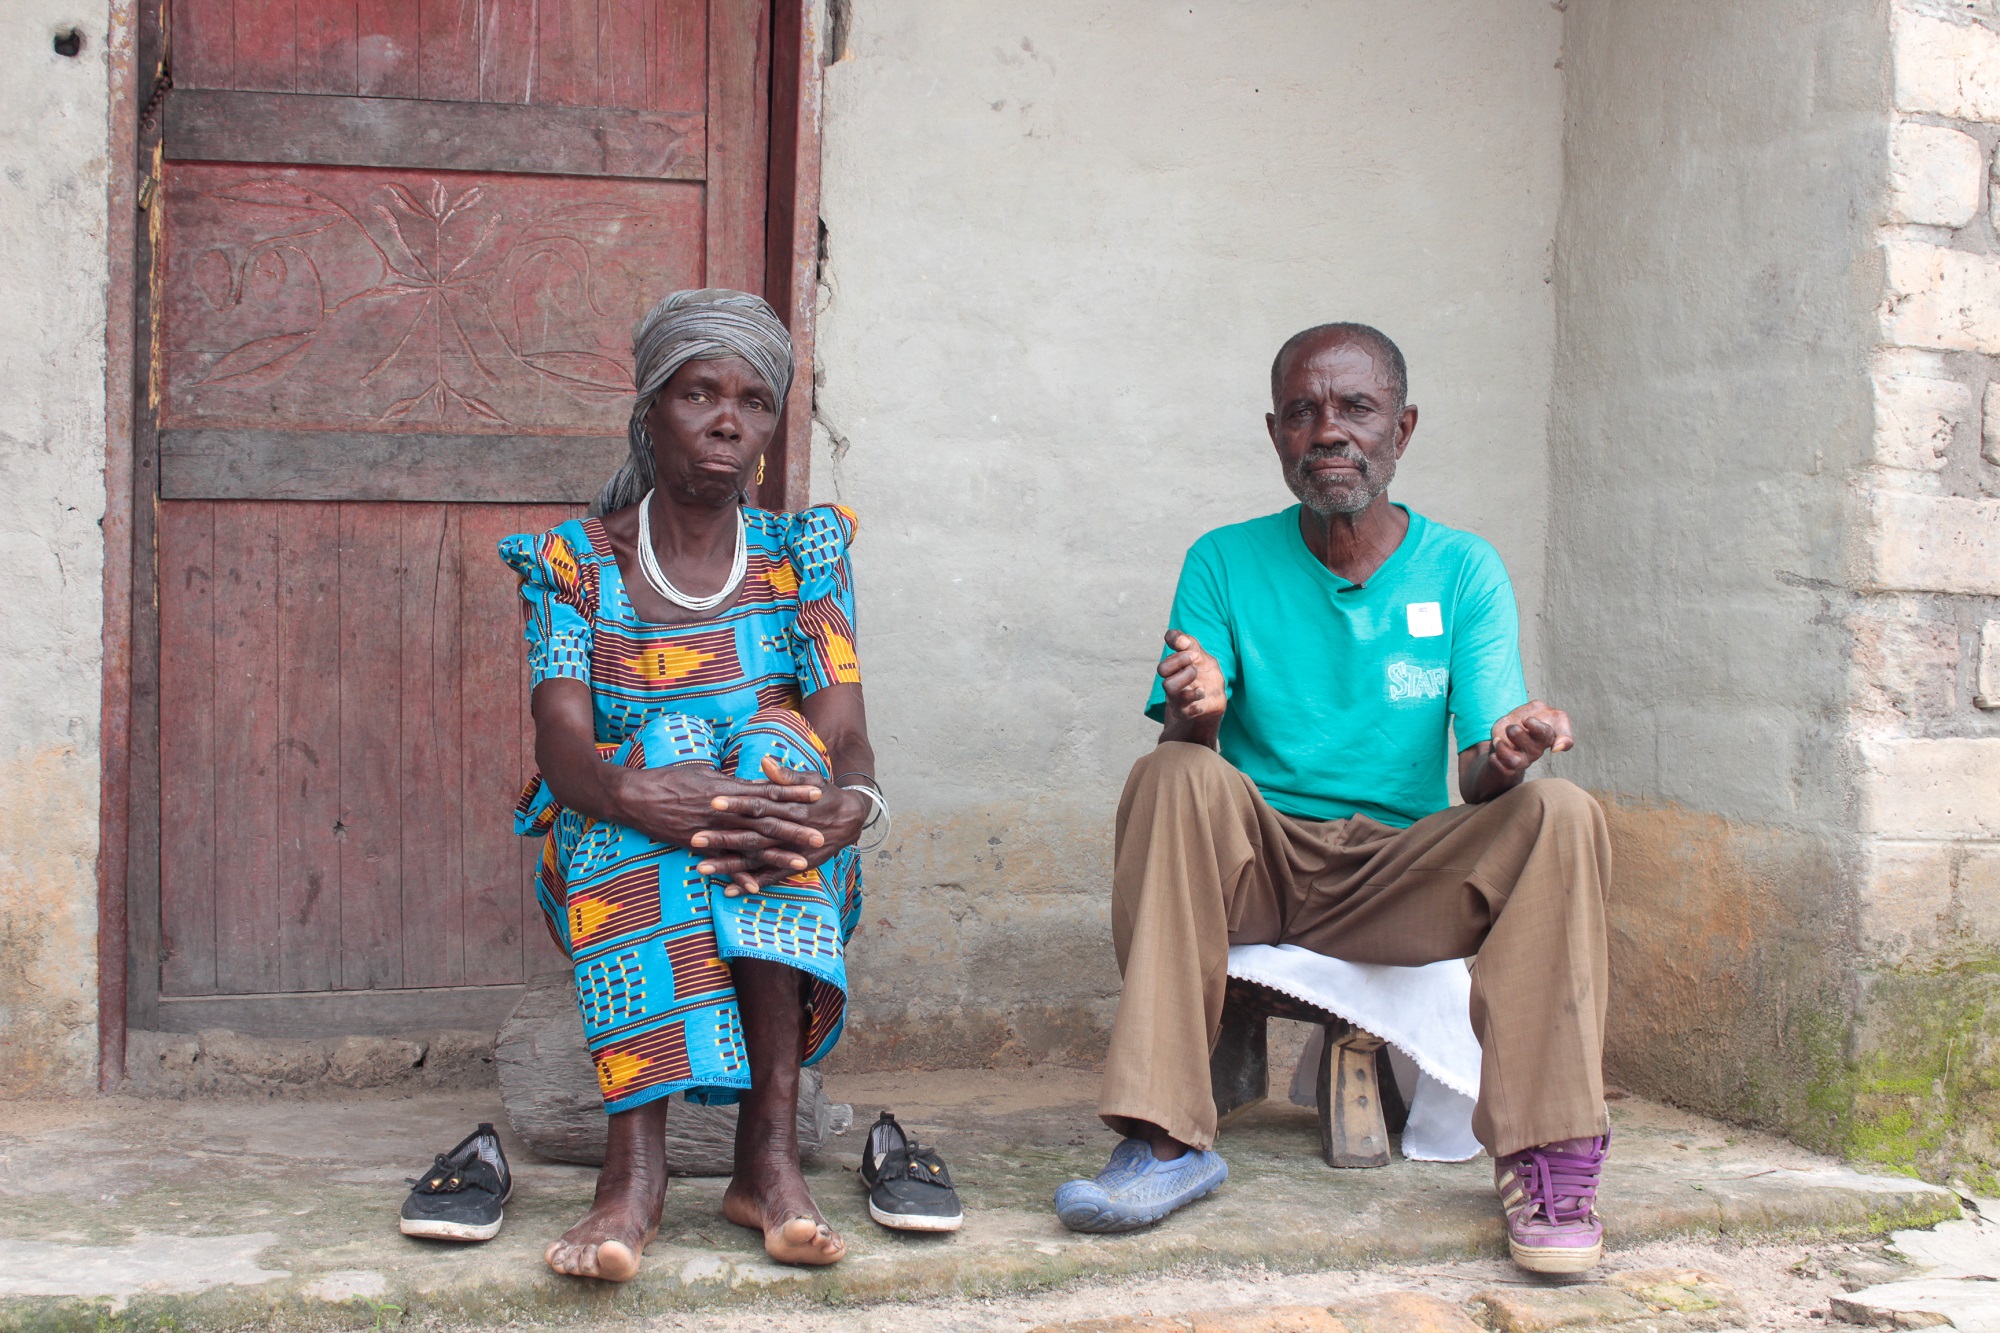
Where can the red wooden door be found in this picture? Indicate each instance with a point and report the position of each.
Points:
(397, 247)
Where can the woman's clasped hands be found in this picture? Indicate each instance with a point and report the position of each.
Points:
(754, 833)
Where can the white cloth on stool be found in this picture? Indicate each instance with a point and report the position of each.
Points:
(1424, 1013)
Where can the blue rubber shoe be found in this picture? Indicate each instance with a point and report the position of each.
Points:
(1136, 1189)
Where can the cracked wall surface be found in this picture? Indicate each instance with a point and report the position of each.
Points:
(53, 145)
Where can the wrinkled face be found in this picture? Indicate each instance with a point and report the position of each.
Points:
(1337, 425)
(710, 425)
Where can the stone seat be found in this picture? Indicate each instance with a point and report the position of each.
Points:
(1359, 1102)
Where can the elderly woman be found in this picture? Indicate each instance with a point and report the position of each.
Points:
(705, 773)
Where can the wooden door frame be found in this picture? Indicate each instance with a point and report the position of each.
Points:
(791, 224)
(128, 874)
(121, 397)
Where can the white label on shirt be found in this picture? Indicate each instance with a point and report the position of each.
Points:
(1426, 621)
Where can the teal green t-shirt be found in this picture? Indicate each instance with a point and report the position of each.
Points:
(1340, 694)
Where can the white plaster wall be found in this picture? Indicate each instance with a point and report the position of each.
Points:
(53, 150)
(1064, 239)
(1725, 167)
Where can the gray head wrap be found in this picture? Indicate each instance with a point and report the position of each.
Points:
(700, 325)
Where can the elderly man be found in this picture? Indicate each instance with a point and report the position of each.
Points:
(1297, 795)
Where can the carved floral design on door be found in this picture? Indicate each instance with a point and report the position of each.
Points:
(350, 298)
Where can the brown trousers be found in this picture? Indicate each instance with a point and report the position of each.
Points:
(1203, 863)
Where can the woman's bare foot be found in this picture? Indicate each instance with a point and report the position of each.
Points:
(767, 1193)
(771, 1197)
(609, 1239)
(631, 1189)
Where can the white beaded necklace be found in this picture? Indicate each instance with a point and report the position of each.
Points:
(649, 564)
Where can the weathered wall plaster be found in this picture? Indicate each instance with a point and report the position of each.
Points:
(53, 147)
(1728, 990)
(1063, 242)
(1725, 167)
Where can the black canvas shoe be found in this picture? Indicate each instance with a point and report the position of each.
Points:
(909, 1187)
(460, 1197)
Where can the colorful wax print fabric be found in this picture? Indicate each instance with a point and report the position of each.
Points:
(650, 939)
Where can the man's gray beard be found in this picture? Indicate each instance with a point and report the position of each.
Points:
(1374, 480)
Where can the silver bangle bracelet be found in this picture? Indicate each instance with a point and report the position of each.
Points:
(881, 816)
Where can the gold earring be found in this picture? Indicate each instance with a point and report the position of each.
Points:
(760, 469)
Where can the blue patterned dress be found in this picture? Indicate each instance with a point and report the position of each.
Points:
(649, 938)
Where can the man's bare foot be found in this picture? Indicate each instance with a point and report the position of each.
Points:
(631, 1189)
(772, 1197)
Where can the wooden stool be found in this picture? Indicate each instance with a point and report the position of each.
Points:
(1359, 1102)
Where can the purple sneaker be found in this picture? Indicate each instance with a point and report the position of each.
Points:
(1549, 1195)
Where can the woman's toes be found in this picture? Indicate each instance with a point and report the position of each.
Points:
(804, 1240)
(611, 1260)
(616, 1262)
(567, 1259)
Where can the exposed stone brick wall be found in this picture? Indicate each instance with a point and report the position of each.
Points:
(1925, 736)
(1927, 741)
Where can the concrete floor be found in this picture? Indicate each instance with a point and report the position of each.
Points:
(214, 1213)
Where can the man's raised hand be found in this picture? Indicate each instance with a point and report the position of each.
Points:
(1194, 681)
(1526, 734)
(1196, 696)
